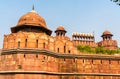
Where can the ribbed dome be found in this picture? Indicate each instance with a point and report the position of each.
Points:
(32, 18)
(61, 28)
(106, 32)
(31, 22)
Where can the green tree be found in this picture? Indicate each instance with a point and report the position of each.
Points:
(80, 48)
(88, 49)
(116, 1)
(99, 50)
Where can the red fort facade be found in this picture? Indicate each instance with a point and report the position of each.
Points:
(30, 52)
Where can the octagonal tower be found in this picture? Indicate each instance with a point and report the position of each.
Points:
(108, 42)
(28, 32)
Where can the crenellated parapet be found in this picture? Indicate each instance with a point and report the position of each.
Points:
(83, 39)
(83, 36)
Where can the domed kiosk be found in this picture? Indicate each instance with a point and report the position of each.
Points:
(107, 35)
(107, 32)
(108, 42)
(60, 31)
(31, 21)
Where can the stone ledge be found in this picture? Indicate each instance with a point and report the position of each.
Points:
(47, 52)
(57, 73)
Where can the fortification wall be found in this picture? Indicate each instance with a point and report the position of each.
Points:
(28, 62)
(58, 66)
(39, 76)
(90, 66)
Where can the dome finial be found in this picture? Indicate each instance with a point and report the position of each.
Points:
(33, 8)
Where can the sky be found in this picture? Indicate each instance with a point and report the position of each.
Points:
(82, 16)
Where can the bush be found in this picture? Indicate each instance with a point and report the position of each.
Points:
(82, 48)
(97, 50)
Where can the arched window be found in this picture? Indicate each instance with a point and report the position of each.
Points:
(83, 61)
(43, 45)
(24, 55)
(58, 34)
(101, 62)
(37, 43)
(37, 56)
(92, 61)
(58, 50)
(109, 61)
(69, 51)
(65, 49)
(61, 34)
(25, 42)
(18, 44)
(74, 60)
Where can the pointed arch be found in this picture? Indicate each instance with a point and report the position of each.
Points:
(20, 38)
(59, 46)
(69, 46)
(11, 41)
(43, 41)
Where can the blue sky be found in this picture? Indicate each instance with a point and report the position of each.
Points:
(86, 16)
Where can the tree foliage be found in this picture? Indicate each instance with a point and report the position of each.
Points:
(97, 50)
(82, 48)
(116, 1)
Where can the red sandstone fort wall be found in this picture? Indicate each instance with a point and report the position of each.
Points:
(28, 62)
(47, 63)
(90, 66)
(36, 76)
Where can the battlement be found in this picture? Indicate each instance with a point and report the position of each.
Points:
(83, 34)
(83, 39)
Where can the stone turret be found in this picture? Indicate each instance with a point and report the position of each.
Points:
(107, 35)
(60, 31)
(108, 42)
